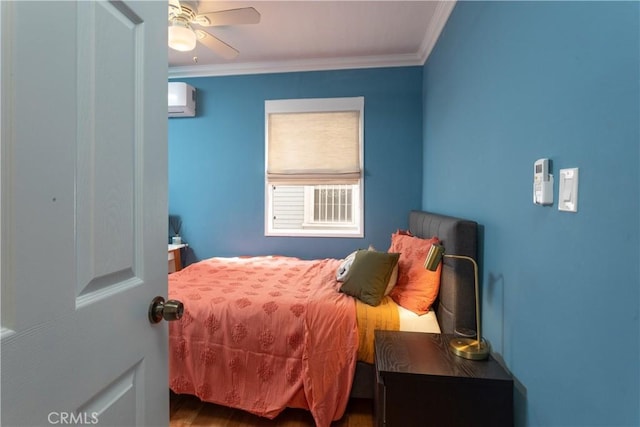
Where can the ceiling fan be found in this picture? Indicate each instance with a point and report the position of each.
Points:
(183, 16)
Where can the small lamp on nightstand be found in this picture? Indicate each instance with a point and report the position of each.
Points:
(469, 348)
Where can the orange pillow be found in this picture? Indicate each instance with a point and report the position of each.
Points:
(417, 287)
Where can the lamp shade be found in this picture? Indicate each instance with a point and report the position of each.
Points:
(181, 37)
(433, 257)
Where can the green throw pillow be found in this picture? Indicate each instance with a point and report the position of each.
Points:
(369, 275)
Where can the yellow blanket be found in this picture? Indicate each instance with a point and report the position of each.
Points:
(385, 317)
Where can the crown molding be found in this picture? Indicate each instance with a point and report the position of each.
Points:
(440, 17)
(295, 66)
(441, 14)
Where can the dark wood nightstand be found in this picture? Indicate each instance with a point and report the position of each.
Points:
(420, 382)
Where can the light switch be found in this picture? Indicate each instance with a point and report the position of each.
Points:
(568, 191)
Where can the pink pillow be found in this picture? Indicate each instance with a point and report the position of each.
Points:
(417, 287)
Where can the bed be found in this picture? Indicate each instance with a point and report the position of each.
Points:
(265, 333)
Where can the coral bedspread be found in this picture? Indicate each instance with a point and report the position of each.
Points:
(264, 333)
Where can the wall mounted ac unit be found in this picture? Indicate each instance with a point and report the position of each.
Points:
(182, 100)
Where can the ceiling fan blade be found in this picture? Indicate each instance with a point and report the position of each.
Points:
(174, 8)
(218, 46)
(244, 15)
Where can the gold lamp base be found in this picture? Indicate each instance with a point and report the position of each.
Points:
(469, 348)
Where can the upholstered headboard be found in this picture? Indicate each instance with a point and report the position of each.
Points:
(455, 306)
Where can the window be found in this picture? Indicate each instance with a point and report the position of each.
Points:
(314, 156)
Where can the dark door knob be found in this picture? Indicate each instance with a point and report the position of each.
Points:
(168, 310)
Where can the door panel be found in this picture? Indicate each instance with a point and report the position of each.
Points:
(83, 212)
(107, 180)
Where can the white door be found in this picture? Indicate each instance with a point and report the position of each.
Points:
(83, 212)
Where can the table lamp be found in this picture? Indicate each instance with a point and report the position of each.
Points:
(468, 348)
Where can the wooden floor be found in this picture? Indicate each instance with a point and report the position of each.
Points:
(187, 411)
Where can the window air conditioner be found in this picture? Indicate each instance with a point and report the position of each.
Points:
(182, 100)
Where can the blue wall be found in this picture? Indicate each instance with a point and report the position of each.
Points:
(216, 160)
(508, 83)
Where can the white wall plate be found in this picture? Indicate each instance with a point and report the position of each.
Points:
(568, 191)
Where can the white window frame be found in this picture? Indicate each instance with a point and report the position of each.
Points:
(355, 230)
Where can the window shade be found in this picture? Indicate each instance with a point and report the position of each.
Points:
(314, 147)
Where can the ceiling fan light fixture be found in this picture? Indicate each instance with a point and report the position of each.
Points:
(181, 36)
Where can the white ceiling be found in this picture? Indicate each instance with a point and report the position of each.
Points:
(319, 35)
